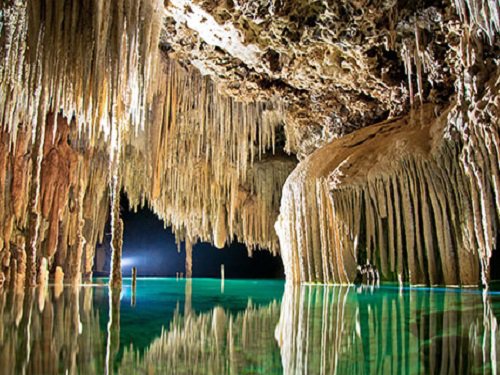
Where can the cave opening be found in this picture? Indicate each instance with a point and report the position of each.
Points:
(152, 249)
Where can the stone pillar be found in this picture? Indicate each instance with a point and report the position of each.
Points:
(115, 280)
(189, 259)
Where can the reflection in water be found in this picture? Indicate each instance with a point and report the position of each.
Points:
(212, 343)
(346, 330)
(113, 343)
(190, 327)
(51, 337)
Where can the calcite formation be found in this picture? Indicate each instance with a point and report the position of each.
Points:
(202, 109)
(393, 197)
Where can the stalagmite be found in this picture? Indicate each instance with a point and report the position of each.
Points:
(43, 274)
(134, 286)
(134, 277)
(58, 281)
(58, 276)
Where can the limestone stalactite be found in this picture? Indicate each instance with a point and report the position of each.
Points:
(393, 197)
(206, 166)
(34, 205)
(52, 64)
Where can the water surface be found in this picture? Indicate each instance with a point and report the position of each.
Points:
(201, 326)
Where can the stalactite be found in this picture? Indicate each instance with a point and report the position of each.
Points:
(34, 205)
(481, 14)
(205, 163)
(94, 107)
(83, 93)
(76, 256)
(21, 267)
(405, 213)
(475, 120)
(55, 69)
(67, 186)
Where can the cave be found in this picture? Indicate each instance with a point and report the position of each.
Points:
(264, 187)
(145, 237)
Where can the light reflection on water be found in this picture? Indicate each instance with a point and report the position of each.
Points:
(253, 327)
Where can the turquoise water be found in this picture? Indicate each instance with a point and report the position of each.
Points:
(203, 326)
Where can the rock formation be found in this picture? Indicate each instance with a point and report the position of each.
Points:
(201, 110)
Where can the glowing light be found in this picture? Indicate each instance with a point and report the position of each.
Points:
(129, 262)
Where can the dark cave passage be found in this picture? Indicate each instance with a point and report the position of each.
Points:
(151, 248)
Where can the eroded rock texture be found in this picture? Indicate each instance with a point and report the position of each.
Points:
(411, 199)
(191, 108)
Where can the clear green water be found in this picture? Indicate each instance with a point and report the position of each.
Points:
(173, 326)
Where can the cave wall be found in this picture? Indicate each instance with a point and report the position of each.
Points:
(414, 199)
(62, 217)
